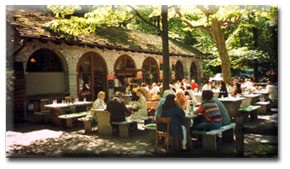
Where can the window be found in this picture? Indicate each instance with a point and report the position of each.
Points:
(44, 60)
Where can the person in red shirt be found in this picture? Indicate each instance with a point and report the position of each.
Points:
(194, 85)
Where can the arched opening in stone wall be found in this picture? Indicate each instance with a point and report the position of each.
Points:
(179, 71)
(151, 71)
(92, 76)
(125, 70)
(193, 72)
(45, 73)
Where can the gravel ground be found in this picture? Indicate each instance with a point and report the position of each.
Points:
(29, 140)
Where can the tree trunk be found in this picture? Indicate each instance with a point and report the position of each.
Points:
(218, 36)
(165, 48)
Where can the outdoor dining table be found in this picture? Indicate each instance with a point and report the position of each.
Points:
(198, 96)
(104, 125)
(127, 98)
(263, 92)
(189, 116)
(251, 99)
(232, 104)
(62, 108)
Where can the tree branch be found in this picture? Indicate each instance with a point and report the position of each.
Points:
(125, 22)
(188, 22)
(143, 19)
(230, 21)
(212, 9)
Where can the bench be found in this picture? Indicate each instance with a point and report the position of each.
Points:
(69, 118)
(209, 137)
(87, 123)
(249, 110)
(264, 107)
(125, 126)
(151, 129)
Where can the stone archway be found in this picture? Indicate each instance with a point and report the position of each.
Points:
(179, 74)
(193, 72)
(125, 69)
(42, 66)
(92, 76)
(151, 71)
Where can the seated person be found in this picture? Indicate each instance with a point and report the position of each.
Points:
(226, 119)
(177, 115)
(98, 104)
(118, 110)
(161, 102)
(211, 116)
(141, 105)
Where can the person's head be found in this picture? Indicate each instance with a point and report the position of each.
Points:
(167, 92)
(118, 94)
(208, 81)
(180, 94)
(169, 101)
(128, 86)
(101, 95)
(192, 81)
(188, 87)
(207, 95)
(184, 81)
(139, 92)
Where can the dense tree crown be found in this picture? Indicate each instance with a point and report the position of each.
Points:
(233, 37)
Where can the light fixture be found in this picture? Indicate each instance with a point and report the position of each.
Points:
(32, 60)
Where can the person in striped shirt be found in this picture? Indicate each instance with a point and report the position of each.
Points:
(210, 115)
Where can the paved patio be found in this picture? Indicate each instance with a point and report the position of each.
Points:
(46, 140)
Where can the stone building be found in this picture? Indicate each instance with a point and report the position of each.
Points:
(48, 66)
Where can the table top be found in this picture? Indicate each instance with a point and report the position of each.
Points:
(190, 115)
(252, 95)
(98, 109)
(261, 92)
(63, 105)
(231, 99)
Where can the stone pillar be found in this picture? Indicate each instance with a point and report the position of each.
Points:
(72, 79)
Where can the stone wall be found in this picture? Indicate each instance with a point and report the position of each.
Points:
(70, 55)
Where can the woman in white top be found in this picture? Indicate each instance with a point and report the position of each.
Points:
(98, 104)
(141, 104)
(207, 85)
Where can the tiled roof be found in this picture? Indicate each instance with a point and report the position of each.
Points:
(29, 24)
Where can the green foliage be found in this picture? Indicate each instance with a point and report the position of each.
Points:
(63, 10)
(251, 32)
(70, 29)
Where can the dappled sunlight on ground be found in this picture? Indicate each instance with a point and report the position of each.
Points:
(46, 140)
